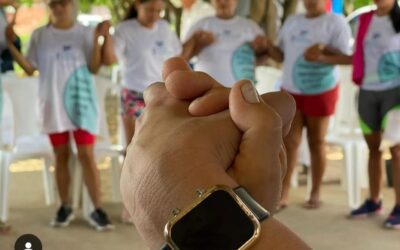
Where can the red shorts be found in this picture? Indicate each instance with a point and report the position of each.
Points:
(81, 137)
(323, 104)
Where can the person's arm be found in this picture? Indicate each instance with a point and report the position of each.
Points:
(95, 58)
(275, 53)
(108, 54)
(25, 64)
(196, 43)
(275, 235)
(323, 54)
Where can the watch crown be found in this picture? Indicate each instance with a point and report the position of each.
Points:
(176, 211)
(200, 192)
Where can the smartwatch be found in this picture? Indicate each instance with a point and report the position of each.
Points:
(220, 218)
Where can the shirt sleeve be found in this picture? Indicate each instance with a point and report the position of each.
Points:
(32, 54)
(341, 36)
(255, 30)
(119, 42)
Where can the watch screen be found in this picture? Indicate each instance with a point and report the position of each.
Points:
(217, 223)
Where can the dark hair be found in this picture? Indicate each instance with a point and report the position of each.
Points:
(132, 11)
(395, 16)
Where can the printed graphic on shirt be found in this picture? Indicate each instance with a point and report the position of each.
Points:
(301, 37)
(389, 66)
(313, 78)
(243, 63)
(80, 100)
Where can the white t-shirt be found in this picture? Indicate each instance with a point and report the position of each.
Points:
(3, 25)
(381, 55)
(230, 58)
(198, 11)
(67, 95)
(142, 51)
(297, 35)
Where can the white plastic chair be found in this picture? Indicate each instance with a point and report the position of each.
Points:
(103, 148)
(345, 133)
(27, 141)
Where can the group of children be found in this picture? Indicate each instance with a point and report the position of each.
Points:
(228, 48)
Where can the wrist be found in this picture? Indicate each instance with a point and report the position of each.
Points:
(153, 207)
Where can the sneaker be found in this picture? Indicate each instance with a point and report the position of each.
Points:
(369, 208)
(393, 221)
(63, 217)
(99, 220)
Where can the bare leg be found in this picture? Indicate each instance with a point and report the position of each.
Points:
(317, 127)
(292, 143)
(395, 151)
(90, 173)
(375, 165)
(63, 178)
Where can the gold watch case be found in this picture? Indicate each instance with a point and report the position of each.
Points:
(204, 195)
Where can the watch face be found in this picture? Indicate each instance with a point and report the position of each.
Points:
(218, 222)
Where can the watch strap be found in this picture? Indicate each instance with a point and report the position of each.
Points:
(166, 247)
(260, 212)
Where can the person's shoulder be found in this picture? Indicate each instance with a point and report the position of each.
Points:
(245, 20)
(164, 24)
(126, 24)
(294, 20)
(208, 19)
(41, 29)
(336, 18)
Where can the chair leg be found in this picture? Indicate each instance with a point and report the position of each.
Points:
(349, 162)
(4, 180)
(48, 182)
(116, 175)
(358, 172)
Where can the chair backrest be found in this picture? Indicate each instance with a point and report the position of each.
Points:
(345, 119)
(7, 123)
(103, 86)
(24, 96)
(267, 79)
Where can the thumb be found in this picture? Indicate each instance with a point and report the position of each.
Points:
(260, 163)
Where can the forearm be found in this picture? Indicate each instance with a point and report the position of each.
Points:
(95, 61)
(108, 55)
(276, 54)
(21, 60)
(337, 59)
(189, 49)
(274, 235)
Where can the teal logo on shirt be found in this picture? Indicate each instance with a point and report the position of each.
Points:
(80, 100)
(243, 63)
(313, 78)
(389, 67)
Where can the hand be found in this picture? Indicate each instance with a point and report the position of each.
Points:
(260, 44)
(204, 38)
(174, 153)
(103, 28)
(315, 53)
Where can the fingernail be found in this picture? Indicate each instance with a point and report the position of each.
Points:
(250, 93)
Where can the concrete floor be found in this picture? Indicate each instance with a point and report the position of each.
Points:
(326, 228)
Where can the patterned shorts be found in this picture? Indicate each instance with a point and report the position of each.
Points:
(132, 103)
